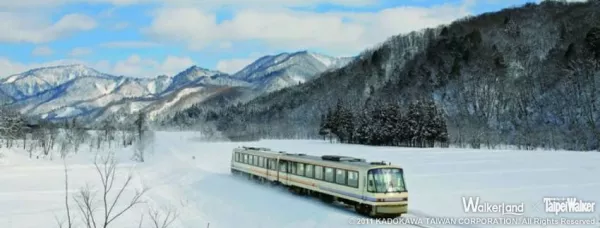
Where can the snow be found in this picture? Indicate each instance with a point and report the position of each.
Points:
(11, 79)
(326, 60)
(178, 96)
(68, 111)
(54, 91)
(191, 175)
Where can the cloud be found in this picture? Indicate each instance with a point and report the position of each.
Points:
(344, 33)
(80, 51)
(231, 66)
(137, 66)
(29, 4)
(31, 28)
(10, 67)
(207, 4)
(42, 51)
(133, 66)
(129, 44)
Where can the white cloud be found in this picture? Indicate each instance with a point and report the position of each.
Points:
(185, 3)
(9, 67)
(140, 67)
(42, 51)
(232, 66)
(129, 44)
(32, 28)
(339, 33)
(80, 51)
(134, 66)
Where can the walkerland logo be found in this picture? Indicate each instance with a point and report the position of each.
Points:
(475, 205)
(559, 205)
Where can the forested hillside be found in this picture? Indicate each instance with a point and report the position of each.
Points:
(526, 76)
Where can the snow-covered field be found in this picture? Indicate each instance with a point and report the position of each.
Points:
(193, 176)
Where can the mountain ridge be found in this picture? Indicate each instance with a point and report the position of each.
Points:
(524, 76)
(76, 90)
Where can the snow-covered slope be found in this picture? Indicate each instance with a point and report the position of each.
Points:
(39, 80)
(193, 178)
(78, 91)
(287, 69)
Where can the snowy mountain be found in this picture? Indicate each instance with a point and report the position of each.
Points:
(500, 78)
(35, 81)
(286, 69)
(63, 92)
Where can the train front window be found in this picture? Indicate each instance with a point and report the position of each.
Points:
(386, 180)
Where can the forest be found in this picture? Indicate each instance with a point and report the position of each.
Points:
(526, 76)
(422, 125)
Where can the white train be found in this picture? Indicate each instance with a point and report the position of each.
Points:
(375, 189)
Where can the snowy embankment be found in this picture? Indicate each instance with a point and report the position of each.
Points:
(193, 177)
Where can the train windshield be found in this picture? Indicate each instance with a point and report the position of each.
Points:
(386, 180)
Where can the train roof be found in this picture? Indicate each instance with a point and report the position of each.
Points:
(327, 159)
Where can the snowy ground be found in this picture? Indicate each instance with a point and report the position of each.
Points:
(193, 176)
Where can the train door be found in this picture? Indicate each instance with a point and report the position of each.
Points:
(282, 174)
(268, 167)
(365, 185)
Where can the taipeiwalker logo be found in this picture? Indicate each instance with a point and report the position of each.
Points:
(471, 205)
(559, 205)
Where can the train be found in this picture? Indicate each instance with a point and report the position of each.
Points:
(373, 189)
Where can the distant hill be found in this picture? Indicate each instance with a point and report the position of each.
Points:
(526, 76)
(76, 91)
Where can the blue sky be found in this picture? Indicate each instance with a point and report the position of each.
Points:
(145, 38)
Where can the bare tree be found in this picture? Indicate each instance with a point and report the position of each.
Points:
(69, 220)
(143, 144)
(46, 138)
(160, 221)
(106, 169)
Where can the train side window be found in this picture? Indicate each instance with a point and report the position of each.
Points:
(292, 167)
(340, 176)
(272, 164)
(245, 159)
(300, 169)
(318, 172)
(329, 175)
(251, 161)
(255, 160)
(371, 183)
(309, 170)
(353, 179)
(261, 161)
(283, 166)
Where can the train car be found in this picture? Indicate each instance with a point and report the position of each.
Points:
(375, 189)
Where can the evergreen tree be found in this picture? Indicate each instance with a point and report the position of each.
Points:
(363, 132)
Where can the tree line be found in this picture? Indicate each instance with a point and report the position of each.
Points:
(42, 138)
(421, 124)
(526, 76)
